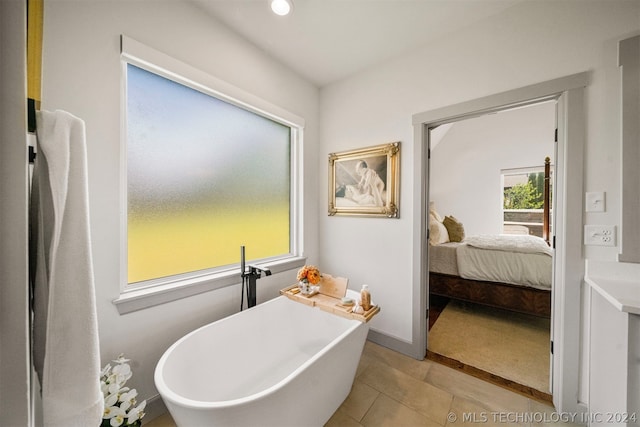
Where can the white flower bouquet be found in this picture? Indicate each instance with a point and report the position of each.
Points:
(119, 401)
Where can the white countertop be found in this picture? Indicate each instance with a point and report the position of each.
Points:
(617, 282)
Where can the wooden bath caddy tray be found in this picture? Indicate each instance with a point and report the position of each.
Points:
(328, 303)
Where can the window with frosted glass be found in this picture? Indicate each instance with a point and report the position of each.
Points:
(204, 177)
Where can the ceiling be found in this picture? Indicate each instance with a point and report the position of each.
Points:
(328, 40)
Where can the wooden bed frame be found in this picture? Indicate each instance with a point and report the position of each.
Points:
(532, 301)
(520, 299)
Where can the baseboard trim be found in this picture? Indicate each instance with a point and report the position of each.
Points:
(396, 344)
(524, 390)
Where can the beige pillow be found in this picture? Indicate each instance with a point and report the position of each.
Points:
(454, 228)
(437, 233)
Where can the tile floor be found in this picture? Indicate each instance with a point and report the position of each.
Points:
(391, 389)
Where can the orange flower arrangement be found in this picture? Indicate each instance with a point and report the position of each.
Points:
(309, 273)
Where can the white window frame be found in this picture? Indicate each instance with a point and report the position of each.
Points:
(154, 292)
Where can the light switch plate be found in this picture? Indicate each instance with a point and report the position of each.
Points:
(595, 201)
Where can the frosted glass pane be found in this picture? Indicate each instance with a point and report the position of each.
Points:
(204, 177)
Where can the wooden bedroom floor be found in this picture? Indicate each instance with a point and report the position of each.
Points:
(468, 338)
(437, 304)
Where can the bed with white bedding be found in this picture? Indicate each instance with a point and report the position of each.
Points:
(505, 271)
(513, 272)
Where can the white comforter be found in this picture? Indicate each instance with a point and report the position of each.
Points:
(519, 260)
(511, 243)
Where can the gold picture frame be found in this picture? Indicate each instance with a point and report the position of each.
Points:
(365, 182)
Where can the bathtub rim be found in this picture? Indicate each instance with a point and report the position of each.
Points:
(166, 393)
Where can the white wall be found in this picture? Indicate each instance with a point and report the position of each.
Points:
(465, 167)
(528, 43)
(81, 68)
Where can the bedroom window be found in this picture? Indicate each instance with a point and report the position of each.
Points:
(206, 173)
(523, 200)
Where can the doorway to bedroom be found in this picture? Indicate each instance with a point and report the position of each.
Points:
(490, 260)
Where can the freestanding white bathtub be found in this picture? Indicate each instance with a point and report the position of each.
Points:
(280, 363)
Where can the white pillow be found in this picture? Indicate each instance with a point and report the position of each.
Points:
(437, 233)
(436, 216)
(433, 218)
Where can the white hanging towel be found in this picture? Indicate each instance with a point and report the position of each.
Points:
(65, 326)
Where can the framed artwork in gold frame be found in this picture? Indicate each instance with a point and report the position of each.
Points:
(365, 182)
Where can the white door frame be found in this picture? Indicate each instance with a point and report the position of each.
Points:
(15, 362)
(568, 260)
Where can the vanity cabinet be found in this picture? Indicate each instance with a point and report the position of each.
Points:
(614, 354)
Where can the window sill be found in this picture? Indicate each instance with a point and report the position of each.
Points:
(139, 299)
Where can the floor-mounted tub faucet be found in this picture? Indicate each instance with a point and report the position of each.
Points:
(249, 276)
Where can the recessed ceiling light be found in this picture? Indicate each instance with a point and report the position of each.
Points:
(281, 7)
